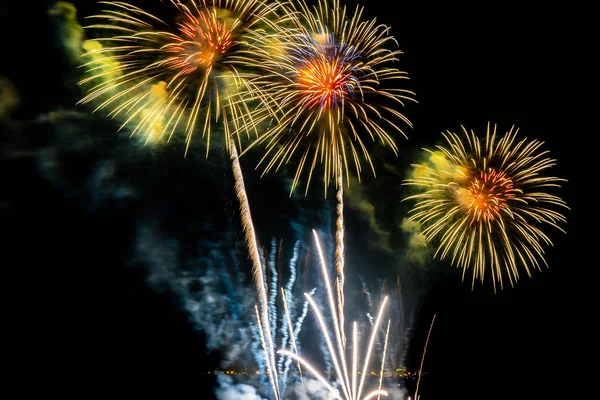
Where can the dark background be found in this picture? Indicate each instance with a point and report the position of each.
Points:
(86, 324)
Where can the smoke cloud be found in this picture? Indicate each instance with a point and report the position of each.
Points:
(227, 389)
(310, 389)
(216, 304)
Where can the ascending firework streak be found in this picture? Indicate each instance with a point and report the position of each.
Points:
(160, 75)
(351, 390)
(487, 199)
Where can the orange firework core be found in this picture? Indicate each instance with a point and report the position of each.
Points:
(324, 82)
(487, 194)
(202, 39)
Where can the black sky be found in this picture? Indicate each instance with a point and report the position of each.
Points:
(94, 325)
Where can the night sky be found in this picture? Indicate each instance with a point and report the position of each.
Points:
(86, 320)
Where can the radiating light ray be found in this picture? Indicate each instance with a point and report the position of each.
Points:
(387, 333)
(330, 345)
(370, 348)
(321, 379)
(337, 353)
(331, 76)
(337, 328)
(487, 201)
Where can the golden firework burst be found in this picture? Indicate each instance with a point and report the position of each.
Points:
(331, 76)
(161, 75)
(488, 201)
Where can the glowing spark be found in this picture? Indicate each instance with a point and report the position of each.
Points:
(487, 201)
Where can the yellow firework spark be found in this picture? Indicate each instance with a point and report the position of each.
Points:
(332, 77)
(488, 202)
(160, 75)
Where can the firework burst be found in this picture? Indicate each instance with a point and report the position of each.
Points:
(331, 77)
(160, 76)
(488, 201)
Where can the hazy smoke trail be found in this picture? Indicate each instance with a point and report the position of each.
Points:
(259, 355)
(277, 316)
(199, 285)
(297, 330)
(290, 303)
(273, 295)
(365, 290)
(228, 390)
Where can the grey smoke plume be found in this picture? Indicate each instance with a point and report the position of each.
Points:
(227, 389)
(216, 303)
(310, 389)
(397, 246)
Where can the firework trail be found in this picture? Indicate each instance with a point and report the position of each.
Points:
(259, 279)
(423, 358)
(339, 250)
(488, 200)
(338, 356)
(387, 333)
(271, 373)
